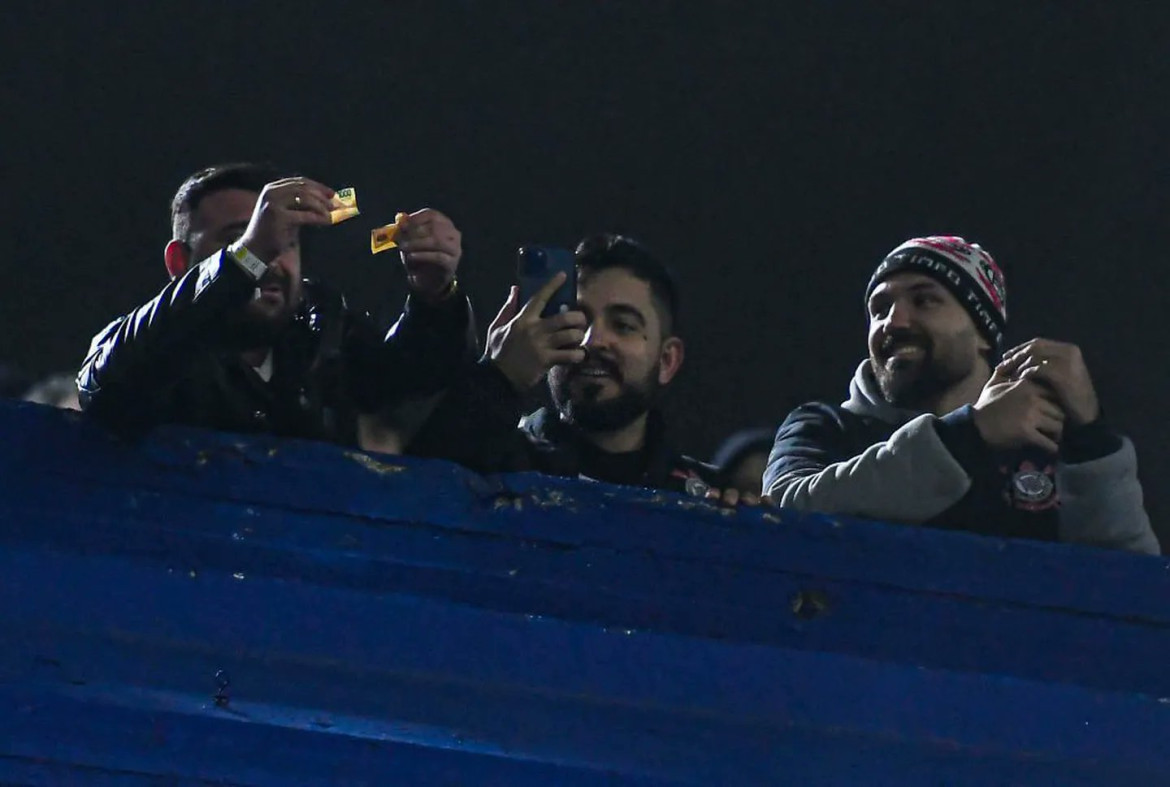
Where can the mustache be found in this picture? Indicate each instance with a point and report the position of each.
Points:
(273, 278)
(606, 365)
(902, 337)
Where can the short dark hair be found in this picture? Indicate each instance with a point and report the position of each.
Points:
(610, 250)
(242, 175)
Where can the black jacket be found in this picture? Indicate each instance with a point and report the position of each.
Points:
(479, 424)
(170, 360)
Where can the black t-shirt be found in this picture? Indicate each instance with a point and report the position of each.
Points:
(628, 468)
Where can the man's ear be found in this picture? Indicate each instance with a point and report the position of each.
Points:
(670, 360)
(177, 256)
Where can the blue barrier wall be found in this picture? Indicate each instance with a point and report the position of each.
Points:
(209, 608)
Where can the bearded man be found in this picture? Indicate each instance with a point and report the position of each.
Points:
(238, 341)
(943, 429)
(608, 362)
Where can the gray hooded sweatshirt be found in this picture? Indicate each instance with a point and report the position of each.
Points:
(867, 458)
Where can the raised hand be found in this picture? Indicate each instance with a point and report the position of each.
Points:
(524, 346)
(431, 248)
(1014, 412)
(1061, 367)
(283, 208)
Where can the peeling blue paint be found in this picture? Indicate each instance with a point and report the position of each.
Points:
(202, 607)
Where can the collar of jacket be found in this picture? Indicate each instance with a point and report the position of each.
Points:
(319, 323)
(550, 434)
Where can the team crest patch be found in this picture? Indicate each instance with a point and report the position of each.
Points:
(1032, 488)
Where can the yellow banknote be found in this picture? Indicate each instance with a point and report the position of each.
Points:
(343, 206)
(386, 238)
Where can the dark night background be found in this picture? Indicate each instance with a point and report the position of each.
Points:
(771, 151)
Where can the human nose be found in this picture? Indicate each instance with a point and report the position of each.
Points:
(596, 337)
(899, 315)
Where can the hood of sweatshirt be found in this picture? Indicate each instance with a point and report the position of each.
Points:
(865, 399)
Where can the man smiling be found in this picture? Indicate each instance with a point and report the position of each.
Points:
(608, 364)
(935, 432)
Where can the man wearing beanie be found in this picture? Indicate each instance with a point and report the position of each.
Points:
(943, 429)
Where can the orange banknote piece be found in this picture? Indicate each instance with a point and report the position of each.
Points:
(386, 238)
(343, 206)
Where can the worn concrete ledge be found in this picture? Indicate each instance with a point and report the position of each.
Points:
(205, 607)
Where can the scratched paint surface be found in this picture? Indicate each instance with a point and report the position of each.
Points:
(199, 607)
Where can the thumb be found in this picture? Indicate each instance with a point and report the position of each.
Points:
(508, 311)
(1001, 374)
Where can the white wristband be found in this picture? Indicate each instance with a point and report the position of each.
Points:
(251, 264)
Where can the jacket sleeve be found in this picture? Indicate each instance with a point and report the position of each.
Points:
(135, 360)
(475, 423)
(910, 477)
(1101, 503)
(421, 354)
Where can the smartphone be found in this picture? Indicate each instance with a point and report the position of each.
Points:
(535, 265)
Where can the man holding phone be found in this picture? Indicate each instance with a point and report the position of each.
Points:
(608, 363)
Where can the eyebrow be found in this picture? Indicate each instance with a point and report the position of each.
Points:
(627, 310)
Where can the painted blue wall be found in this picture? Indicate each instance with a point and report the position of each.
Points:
(205, 607)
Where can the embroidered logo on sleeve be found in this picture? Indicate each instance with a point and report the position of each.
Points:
(1031, 488)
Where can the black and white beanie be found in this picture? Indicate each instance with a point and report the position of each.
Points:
(964, 268)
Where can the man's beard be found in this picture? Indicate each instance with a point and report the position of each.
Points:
(918, 383)
(590, 414)
(259, 326)
(251, 330)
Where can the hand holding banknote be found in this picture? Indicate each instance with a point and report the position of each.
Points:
(431, 248)
(283, 208)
